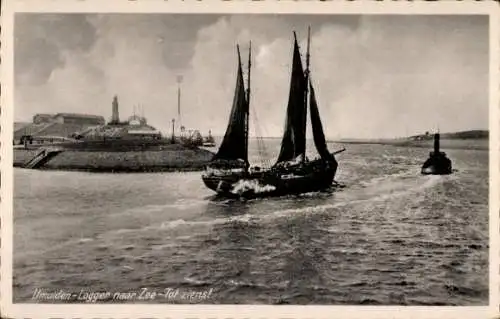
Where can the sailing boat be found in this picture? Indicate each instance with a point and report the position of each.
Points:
(229, 173)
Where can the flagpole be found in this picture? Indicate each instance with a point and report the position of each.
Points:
(179, 119)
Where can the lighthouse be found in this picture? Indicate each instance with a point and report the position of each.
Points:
(115, 117)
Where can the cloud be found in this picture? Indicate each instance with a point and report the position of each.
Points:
(375, 76)
(41, 39)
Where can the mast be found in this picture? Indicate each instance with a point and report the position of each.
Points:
(248, 104)
(306, 75)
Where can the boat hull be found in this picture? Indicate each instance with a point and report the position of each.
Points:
(437, 165)
(274, 182)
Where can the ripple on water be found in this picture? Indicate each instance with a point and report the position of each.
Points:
(390, 237)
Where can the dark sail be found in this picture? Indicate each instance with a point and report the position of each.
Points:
(234, 145)
(285, 177)
(317, 127)
(293, 143)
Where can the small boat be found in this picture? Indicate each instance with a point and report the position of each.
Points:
(208, 144)
(437, 163)
(209, 141)
(229, 173)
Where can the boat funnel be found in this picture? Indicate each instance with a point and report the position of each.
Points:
(436, 143)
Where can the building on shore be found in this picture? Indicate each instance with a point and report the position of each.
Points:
(135, 127)
(55, 128)
(117, 146)
(68, 118)
(80, 119)
(54, 125)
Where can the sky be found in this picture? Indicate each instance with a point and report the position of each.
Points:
(375, 76)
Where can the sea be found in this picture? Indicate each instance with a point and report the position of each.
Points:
(386, 236)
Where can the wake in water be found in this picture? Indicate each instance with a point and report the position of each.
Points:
(260, 210)
(251, 187)
(393, 188)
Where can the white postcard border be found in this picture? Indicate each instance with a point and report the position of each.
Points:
(239, 311)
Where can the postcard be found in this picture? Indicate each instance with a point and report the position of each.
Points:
(250, 159)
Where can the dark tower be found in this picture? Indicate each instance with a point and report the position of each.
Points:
(115, 118)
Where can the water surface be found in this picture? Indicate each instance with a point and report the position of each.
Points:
(390, 237)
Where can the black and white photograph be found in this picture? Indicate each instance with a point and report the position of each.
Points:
(254, 157)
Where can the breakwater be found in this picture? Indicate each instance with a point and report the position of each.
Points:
(99, 156)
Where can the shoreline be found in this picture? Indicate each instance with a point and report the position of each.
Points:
(451, 144)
